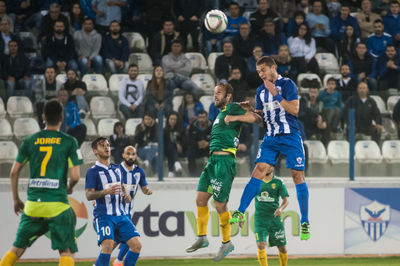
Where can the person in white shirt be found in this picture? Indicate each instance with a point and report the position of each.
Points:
(131, 94)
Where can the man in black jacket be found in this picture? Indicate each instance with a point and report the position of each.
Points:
(226, 62)
(346, 85)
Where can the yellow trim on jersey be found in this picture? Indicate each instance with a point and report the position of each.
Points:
(230, 150)
(44, 209)
(70, 163)
(25, 161)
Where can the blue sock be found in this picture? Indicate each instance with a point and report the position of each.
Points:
(103, 260)
(131, 258)
(302, 198)
(250, 191)
(122, 251)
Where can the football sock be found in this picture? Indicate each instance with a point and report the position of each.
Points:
(250, 191)
(225, 226)
(202, 220)
(103, 260)
(131, 258)
(262, 257)
(123, 249)
(283, 258)
(9, 259)
(302, 198)
(66, 261)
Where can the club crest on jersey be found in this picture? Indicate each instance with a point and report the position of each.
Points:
(273, 186)
(299, 160)
(375, 218)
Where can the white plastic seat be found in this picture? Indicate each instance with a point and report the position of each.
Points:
(19, 106)
(145, 78)
(143, 61)
(2, 108)
(338, 151)
(87, 153)
(198, 61)
(9, 151)
(391, 102)
(204, 81)
(62, 78)
(316, 151)
(391, 151)
(176, 102)
(25, 126)
(211, 60)
(380, 103)
(96, 84)
(367, 151)
(309, 76)
(5, 129)
(91, 131)
(327, 63)
(135, 40)
(328, 76)
(102, 107)
(105, 126)
(131, 124)
(115, 82)
(207, 101)
(389, 128)
(29, 41)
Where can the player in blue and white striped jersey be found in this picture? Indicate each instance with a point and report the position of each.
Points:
(132, 177)
(104, 185)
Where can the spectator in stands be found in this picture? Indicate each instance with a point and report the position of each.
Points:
(348, 43)
(346, 84)
(213, 42)
(6, 36)
(213, 112)
(3, 14)
(244, 42)
(338, 24)
(178, 68)
(146, 140)
(365, 18)
(59, 49)
(388, 69)
(76, 17)
(131, 94)
(88, 44)
(253, 79)
(115, 49)
(106, 13)
(48, 21)
(392, 21)
(174, 138)
(271, 38)
(320, 27)
(155, 12)
(159, 92)
(188, 13)
(17, 72)
(284, 8)
(302, 49)
(293, 25)
(304, 6)
(198, 141)
(240, 86)
(363, 66)
(376, 42)
(396, 117)
(367, 115)
(189, 109)
(285, 64)
(234, 20)
(334, 7)
(382, 7)
(24, 14)
(160, 44)
(77, 89)
(72, 124)
(227, 61)
(118, 141)
(263, 12)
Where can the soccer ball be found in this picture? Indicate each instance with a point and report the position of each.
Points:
(216, 21)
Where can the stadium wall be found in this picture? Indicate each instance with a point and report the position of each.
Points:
(360, 217)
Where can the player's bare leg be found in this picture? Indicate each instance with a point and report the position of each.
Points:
(224, 216)
(302, 197)
(135, 246)
(107, 246)
(283, 255)
(12, 256)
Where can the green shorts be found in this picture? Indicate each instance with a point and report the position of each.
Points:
(217, 177)
(60, 227)
(271, 227)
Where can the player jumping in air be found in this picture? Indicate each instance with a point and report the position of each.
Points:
(217, 176)
(132, 177)
(277, 102)
(112, 224)
(50, 153)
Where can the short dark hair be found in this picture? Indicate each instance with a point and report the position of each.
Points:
(378, 21)
(234, 4)
(391, 45)
(88, 18)
(227, 87)
(331, 79)
(202, 112)
(114, 21)
(176, 41)
(53, 67)
(133, 65)
(268, 60)
(394, 2)
(118, 124)
(357, 44)
(53, 112)
(97, 141)
(346, 4)
(59, 20)
(150, 113)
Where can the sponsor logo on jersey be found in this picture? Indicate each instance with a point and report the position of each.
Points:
(44, 183)
(264, 196)
(375, 218)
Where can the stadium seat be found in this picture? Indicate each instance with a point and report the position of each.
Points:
(29, 41)
(198, 61)
(87, 153)
(204, 81)
(2, 109)
(309, 76)
(5, 129)
(25, 126)
(367, 151)
(316, 151)
(145, 78)
(96, 84)
(131, 124)
(338, 151)
(176, 102)
(102, 107)
(19, 106)
(327, 63)
(115, 81)
(91, 131)
(136, 41)
(380, 103)
(389, 128)
(9, 151)
(206, 101)
(61, 78)
(143, 61)
(211, 61)
(391, 151)
(391, 102)
(106, 126)
(328, 76)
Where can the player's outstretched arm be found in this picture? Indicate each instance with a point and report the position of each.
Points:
(92, 194)
(74, 176)
(284, 204)
(14, 176)
(248, 117)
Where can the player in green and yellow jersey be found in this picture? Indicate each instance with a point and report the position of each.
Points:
(267, 218)
(50, 153)
(217, 176)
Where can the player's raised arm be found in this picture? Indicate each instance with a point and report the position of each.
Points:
(14, 176)
(248, 117)
(291, 107)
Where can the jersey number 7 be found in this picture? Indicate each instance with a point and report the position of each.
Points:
(48, 150)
